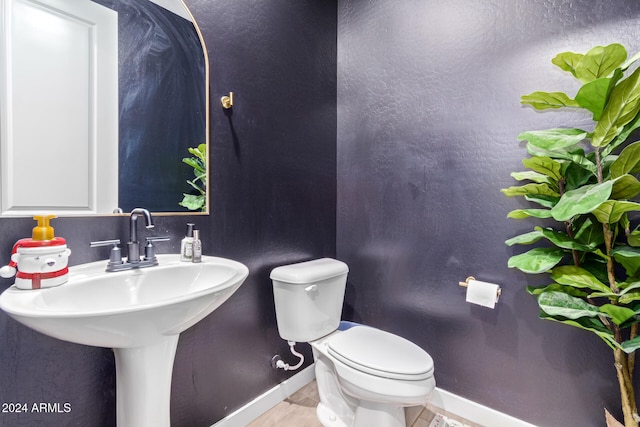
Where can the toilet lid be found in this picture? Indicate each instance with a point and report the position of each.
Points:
(380, 353)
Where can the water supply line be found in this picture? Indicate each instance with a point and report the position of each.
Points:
(278, 363)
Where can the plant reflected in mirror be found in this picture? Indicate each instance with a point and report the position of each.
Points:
(197, 199)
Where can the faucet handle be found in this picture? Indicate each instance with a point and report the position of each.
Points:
(149, 249)
(95, 244)
(115, 257)
(158, 238)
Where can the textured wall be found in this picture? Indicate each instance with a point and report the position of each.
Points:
(273, 196)
(428, 114)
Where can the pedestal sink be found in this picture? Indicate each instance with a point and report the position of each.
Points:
(138, 313)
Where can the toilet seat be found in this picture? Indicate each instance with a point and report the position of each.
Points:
(380, 353)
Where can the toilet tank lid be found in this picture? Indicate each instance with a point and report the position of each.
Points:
(309, 271)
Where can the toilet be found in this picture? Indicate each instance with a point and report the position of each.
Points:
(365, 376)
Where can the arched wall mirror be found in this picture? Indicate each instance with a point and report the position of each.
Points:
(100, 102)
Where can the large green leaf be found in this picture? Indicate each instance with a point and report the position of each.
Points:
(630, 297)
(537, 260)
(531, 176)
(526, 213)
(611, 211)
(628, 162)
(560, 304)
(193, 202)
(553, 139)
(610, 294)
(600, 61)
(577, 176)
(546, 100)
(589, 233)
(618, 314)
(543, 200)
(575, 155)
(625, 187)
(593, 96)
(524, 239)
(567, 61)
(631, 345)
(578, 277)
(628, 286)
(596, 265)
(200, 152)
(633, 239)
(622, 137)
(581, 200)
(591, 324)
(544, 165)
(196, 164)
(630, 61)
(622, 108)
(628, 257)
(527, 189)
(562, 240)
(570, 290)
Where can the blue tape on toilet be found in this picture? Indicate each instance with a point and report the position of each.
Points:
(344, 325)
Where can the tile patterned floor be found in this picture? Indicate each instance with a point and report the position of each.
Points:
(299, 410)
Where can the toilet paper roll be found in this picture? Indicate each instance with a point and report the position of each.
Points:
(482, 293)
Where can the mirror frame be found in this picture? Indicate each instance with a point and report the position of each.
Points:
(207, 130)
(207, 120)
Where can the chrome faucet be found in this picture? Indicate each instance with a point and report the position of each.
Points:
(133, 255)
(116, 262)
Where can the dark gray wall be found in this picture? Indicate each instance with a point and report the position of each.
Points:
(428, 108)
(428, 115)
(273, 197)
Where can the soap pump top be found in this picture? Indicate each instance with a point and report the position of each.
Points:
(186, 246)
(43, 231)
(190, 228)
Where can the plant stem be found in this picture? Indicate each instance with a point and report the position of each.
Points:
(623, 362)
(629, 409)
(632, 356)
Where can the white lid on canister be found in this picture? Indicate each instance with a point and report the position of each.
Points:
(309, 271)
(380, 353)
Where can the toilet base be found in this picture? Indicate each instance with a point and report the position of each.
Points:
(328, 418)
(378, 414)
(345, 407)
(367, 414)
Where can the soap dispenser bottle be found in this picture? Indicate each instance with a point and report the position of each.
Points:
(197, 246)
(41, 261)
(186, 246)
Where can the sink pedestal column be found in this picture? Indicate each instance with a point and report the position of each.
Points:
(143, 383)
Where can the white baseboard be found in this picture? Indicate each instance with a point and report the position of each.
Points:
(448, 403)
(269, 399)
(453, 404)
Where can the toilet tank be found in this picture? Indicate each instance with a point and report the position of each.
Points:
(308, 297)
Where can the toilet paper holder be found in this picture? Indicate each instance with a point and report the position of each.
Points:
(468, 279)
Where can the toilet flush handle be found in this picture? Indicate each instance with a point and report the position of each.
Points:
(311, 288)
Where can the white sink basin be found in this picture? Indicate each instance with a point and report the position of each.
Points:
(139, 313)
(128, 308)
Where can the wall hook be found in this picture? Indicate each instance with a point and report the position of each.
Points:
(227, 101)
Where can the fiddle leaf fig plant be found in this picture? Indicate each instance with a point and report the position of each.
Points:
(198, 161)
(581, 182)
